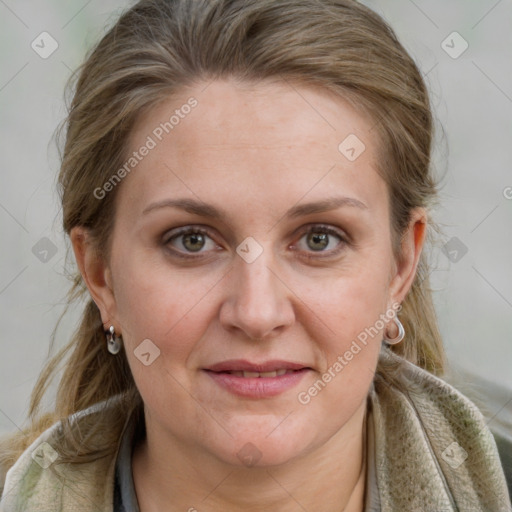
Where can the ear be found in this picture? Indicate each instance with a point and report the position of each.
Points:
(412, 242)
(96, 274)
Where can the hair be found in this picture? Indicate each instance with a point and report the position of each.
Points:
(157, 48)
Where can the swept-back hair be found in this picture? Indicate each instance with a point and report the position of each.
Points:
(158, 47)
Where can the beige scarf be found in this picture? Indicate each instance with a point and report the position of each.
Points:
(431, 448)
(433, 451)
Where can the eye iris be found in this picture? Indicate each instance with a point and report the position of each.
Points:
(320, 241)
(194, 239)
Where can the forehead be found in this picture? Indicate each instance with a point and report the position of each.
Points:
(268, 142)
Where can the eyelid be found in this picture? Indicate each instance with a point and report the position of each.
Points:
(330, 230)
(184, 230)
(303, 230)
(319, 226)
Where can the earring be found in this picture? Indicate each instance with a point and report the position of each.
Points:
(399, 337)
(113, 341)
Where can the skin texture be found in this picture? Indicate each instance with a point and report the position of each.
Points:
(254, 151)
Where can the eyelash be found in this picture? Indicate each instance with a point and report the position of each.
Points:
(324, 229)
(314, 228)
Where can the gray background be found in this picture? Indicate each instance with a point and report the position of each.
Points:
(472, 97)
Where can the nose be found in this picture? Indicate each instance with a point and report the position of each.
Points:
(259, 303)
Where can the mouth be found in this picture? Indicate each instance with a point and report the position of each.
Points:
(243, 368)
(260, 375)
(257, 380)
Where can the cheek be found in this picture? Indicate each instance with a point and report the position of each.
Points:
(170, 310)
(349, 301)
(168, 307)
(349, 338)
(351, 308)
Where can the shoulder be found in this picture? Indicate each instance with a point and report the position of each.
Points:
(431, 398)
(434, 439)
(38, 481)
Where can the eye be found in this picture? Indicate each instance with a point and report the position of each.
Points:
(322, 239)
(186, 241)
(190, 240)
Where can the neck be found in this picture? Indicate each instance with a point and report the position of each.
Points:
(331, 478)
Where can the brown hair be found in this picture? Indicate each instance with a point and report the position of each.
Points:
(156, 48)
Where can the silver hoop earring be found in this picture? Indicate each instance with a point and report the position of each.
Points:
(400, 336)
(113, 341)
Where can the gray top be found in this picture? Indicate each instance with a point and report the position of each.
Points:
(125, 499)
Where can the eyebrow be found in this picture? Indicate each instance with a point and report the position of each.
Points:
(208, 210)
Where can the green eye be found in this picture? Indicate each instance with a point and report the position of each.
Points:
(193, 241)
(317, 241)
(190, 240)
(321, 239)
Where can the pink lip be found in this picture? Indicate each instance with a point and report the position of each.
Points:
(243, 365)
(256, 387)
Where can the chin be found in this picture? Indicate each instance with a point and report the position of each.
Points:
(263, 451)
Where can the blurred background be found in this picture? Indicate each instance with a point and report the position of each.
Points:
(464, 50)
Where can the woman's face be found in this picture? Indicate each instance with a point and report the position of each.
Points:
(253, 236)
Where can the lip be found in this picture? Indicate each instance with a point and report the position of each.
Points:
(244, 365)
(256, 387)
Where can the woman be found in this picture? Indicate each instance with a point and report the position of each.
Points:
(246, 189)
